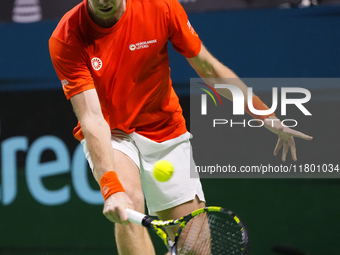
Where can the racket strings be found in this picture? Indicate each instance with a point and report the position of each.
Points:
(212, 233)
(195, 237)
(226, 234)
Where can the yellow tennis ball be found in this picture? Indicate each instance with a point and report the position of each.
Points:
(163, 170)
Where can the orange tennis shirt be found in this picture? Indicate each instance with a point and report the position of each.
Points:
(127, 64)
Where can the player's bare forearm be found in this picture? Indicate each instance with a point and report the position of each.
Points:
(96, 131)
(210, 70)
(98, 140)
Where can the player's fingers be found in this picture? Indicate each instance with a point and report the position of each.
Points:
(111, 215)
(285, 151)
(123, 216)
(114, 214)
(278, 146)
(292, 147)
(298, 134)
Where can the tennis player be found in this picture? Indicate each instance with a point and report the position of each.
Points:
(111, 58)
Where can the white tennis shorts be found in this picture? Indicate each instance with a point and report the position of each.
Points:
(145, 153)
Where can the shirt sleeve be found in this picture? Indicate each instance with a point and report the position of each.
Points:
(70, 65)
(183, 37)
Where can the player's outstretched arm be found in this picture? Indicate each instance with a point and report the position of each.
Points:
(207, 66)
(98, 139)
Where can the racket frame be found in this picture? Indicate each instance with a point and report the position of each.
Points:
(159, 225)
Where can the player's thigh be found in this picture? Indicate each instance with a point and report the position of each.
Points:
(179, 211)
(129, 175)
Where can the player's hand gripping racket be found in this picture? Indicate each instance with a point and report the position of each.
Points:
(207, 231)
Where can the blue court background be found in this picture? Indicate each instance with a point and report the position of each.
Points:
(254, 43)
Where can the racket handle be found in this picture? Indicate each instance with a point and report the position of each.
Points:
(135, 217)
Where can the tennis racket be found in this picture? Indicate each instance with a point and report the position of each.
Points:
(206, 231)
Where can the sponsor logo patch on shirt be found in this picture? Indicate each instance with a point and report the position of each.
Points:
(141, 45)
(96, 64)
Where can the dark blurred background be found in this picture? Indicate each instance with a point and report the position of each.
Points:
(49, 201)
